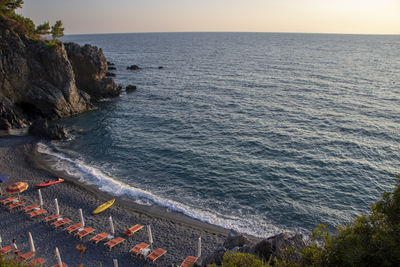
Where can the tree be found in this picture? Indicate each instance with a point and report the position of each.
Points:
(57, 30)
(7, 7)
(43, 29)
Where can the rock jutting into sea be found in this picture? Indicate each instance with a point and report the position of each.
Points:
(49, 80)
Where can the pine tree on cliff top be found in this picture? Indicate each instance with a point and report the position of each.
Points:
(43, 29)
(7, 7)
(57, 30)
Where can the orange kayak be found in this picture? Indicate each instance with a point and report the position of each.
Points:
(48, 183)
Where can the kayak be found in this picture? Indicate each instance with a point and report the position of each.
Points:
(48, 183)
(104, 206)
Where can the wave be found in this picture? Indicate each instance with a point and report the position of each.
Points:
(93, 176)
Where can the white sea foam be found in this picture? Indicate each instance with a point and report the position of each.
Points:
(94, 176)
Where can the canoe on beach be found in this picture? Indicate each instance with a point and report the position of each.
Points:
(48, 183)
(103, 206)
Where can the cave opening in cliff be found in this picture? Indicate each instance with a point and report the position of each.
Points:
(30, 110)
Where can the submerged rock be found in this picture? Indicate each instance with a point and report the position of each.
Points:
(110, 74)
(112, 68)
(130, 88)
(133, 67)
(160, 67)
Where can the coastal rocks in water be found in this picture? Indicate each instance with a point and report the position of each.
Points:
(110, 74)
(41, 129)
(110, 63)
(112, 68)
(133, 67)
(90, 68)
(160, 67)
(130, 88)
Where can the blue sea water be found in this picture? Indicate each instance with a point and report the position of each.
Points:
(258, 132)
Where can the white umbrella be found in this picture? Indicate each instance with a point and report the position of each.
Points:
(57, 208)
(40, 199)
(115, 263)
(199, 248)
(31, 243)
(81, 215)
(0, 242)
(59, 258)
(150, 236)
(111, 225)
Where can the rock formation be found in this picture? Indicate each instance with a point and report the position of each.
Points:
(40, 79)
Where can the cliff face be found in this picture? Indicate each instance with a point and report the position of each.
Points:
(39, 80)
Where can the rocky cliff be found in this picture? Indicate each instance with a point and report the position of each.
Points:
(39, 79)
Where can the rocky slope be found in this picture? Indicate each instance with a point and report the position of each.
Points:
(50, 81)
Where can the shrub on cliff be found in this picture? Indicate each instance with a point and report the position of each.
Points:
(371, 240)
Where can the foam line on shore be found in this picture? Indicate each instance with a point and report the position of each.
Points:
(93, 176)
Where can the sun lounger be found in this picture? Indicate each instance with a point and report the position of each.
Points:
(36, 262)
(133, 229)
(36, 213)
(6, 250)
(85, 232)
(188, 262)
(51, 218)
(63, 265)
(73, 228)
(116, 241)
(99, 237)
(31, 207)
(8, 200)
(61, 222)
(139, 248)
(27, 256)
(16, 205)
(156, 254)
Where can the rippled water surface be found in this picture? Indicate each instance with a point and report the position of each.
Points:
(251, 131)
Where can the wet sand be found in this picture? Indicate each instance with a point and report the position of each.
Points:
(174, 232)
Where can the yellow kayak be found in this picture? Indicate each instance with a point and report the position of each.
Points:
(103, 206)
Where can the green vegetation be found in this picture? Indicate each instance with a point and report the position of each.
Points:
(26, 25)
(239, 259)
(57, 30)
(371, 240)
(9, 262)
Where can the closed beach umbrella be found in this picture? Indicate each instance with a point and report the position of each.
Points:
(199, 248)
(57, 208)
(3, 177)
(0, 242)
(59, 258)
(115, 263)
(31, 243)
(111, 225)
(17, 188)
(81, 215)
(150, 236)
(40, 198)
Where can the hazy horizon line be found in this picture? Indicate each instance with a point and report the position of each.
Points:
(145, 32)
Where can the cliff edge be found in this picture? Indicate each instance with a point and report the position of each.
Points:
(50, 80)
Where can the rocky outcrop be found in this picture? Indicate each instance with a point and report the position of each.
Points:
(133, 67)
(90, 68)
(40, 128)
(39, 79)
(271, 247)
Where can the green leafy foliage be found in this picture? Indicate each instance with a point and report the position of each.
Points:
(9, 262)
(242, 259)
(371, 240)
(57, 30)
(43, 29)
(8, 7)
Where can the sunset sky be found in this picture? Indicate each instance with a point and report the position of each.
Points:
(313, 16)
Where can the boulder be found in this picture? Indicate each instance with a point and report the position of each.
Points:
(110, 74)
(112, 68)
(110, 63)
(133, 67)
(160, 67)
(130, 88)
(214, 258)
(235, 239)
(41, 129)
(263, 249)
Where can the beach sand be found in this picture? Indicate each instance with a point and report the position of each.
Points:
(172, 231)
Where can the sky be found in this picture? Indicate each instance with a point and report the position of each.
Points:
(305, 16)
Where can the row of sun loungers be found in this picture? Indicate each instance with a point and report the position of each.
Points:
(57, 222)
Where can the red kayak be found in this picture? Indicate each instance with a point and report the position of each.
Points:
(48, 183)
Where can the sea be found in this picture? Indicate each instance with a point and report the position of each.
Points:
(256, 132)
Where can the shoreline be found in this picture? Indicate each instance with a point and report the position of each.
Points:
(175, 232)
